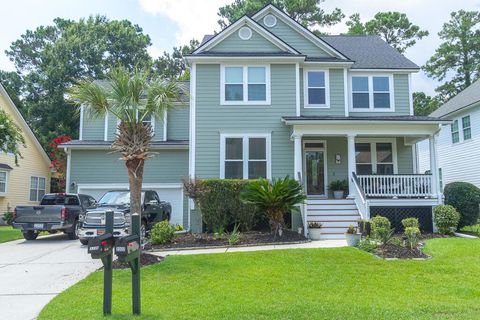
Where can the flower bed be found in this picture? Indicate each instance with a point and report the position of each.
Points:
(206, 240)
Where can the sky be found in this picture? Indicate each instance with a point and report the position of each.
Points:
(174, 22)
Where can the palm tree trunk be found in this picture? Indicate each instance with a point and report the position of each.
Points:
(135, 179)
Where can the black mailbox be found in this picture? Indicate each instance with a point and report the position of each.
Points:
(101, 246)
(127, 247)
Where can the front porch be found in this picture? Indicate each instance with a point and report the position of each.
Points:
(377, 159)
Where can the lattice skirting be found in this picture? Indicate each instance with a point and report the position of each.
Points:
(396, 214)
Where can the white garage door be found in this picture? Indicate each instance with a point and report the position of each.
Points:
(169, 193)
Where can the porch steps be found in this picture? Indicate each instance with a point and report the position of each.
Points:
(334, 215)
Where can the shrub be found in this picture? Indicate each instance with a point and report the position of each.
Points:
(315, 225)
(367, 244)
(220, 204)
(351, 229)
(410, 222)
(234, 237)
(162, 232)
(413, 235)
(446, 218)
(274, 198)
(339, 185)
(465, 197)
(381, 229)
(8, 217)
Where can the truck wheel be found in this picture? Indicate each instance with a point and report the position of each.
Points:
(72, 234)
(84, 241)
(30, 235)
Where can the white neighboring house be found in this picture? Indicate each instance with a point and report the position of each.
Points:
(459, 142)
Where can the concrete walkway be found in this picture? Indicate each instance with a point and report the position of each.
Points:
(33, 272)
(308, 245)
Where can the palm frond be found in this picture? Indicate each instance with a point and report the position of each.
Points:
(161, 96)
(91, 95)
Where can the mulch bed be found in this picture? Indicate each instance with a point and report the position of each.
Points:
(390, 251)
(205, 240)
(146, 259)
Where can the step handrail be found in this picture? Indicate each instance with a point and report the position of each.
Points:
(360, 198)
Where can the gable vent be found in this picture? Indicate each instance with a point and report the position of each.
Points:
(270, 20)
(245, 33)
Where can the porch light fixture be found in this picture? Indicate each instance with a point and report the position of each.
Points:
(338, 158)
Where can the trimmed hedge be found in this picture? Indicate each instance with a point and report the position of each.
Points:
(465, 197)
(446, 218)
(220, 204)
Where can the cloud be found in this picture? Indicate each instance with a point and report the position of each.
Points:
(194, 18)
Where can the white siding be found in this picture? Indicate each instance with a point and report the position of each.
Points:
(459, 161)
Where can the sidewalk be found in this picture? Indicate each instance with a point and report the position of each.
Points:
(308, 245)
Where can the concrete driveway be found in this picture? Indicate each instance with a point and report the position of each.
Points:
(33, 272)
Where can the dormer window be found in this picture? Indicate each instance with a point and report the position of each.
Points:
(316, 89)
(372, 93)
(245, 85)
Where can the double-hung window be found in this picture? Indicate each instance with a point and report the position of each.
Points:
(466, 127)
(3, 182)
(316, 89)
(37, 188)
(371, 93)
(245, 156)
(245, 85)
(375, 157)
(455, 132)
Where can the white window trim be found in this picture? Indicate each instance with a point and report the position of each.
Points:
(370, 93)
(325, 161)
(245, 85)
(38, 189)
(305, 89)
(373, 150)
(463, 128)
(458, 131)
(2, 194)
(245, 154)
(152, 124)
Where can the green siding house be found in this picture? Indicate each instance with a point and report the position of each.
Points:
(268, 98)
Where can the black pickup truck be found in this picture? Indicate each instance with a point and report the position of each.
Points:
(92, 223)
(56, 212)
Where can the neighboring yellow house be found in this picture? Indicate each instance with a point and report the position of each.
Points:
(30, 180)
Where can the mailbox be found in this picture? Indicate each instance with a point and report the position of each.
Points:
(127, 247)
(101, 246)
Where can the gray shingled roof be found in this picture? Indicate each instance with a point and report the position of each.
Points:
(363, 118)
(466, 98)
(108, 143)
(246, 54)
(369, 52)
(5, 166)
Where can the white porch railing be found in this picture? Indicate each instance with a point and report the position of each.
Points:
(360, 198)
(397, 185)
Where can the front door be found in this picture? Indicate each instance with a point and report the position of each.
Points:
(314, 157)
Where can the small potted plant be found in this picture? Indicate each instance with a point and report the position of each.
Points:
(339, 187)
(352, 236)
(315, 230)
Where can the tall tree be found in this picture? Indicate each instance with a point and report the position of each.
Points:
(424, 104)
(458, 56)
(174, 66)
(12, 83)
(307, 12)
(131, 97)
(51, 58)
(11, 137)
(394, 27)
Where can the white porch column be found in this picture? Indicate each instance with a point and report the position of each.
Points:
(434, 166)
(297, 145)
(351, 164)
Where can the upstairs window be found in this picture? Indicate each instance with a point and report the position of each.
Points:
(371, 93)
(245, 157)
(3, 182)
(37, 188)
(245, 85)
(467, 130)
(455, 132)
(316, 89)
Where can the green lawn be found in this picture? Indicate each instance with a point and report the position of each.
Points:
(342, 283)
(9, 234)
(475, 228)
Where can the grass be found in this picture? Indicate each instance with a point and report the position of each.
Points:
(9, 234)
(343, 283)
(475, 228)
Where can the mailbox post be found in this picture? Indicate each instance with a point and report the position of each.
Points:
(128, 249)
(101, 247)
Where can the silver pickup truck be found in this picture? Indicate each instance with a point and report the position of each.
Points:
(56, 212)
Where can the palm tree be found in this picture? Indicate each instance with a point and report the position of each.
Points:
(275, 198)
(131, 97)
